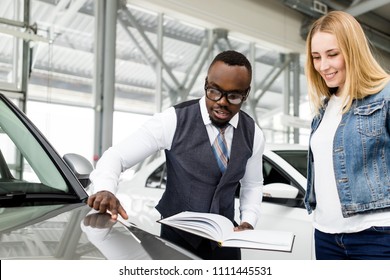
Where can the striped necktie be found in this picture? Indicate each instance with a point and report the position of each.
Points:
(220, 149)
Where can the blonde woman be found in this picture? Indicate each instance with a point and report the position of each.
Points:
(349, 153)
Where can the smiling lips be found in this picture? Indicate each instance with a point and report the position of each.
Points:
(330, 76)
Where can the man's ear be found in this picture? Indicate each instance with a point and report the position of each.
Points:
(247, 94)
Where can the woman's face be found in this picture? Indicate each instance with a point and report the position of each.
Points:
(328, 59)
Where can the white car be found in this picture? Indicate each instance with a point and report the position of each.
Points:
(284, 170)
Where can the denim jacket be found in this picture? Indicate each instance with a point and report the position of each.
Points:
(361, 156)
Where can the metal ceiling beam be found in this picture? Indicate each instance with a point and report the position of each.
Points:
(303, 6)
(366, 6)
(181, 90)
(27, 35)
(265, 84)
(57, 8)
(87, 9)
(215, 36)
(134, 22)
(68, 16)
(378, 39)
(146, 58)
(369, 14)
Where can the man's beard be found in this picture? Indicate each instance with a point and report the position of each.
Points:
(218, 124)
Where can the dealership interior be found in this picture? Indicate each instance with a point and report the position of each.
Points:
(78, 76)
(89, 72)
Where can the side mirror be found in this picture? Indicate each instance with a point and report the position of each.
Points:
(80, 166)
(283, 194)
(280, 190)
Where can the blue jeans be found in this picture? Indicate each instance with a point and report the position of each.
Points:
(369, 244)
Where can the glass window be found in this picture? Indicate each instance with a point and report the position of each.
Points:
(158, 179)
(298, 159)
(11, 45)
(25, 165)
(69, 129)
(272, 175)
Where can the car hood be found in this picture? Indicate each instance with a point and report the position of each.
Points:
(75, 231)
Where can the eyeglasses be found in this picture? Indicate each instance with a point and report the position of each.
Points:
(233, 97)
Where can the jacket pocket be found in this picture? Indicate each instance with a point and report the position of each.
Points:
(371, 118)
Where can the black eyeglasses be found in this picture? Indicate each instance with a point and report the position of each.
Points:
(233, 97)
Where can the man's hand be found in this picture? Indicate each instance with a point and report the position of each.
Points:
(104, 201)
(243, 226)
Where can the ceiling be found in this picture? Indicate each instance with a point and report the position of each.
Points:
(374, 16)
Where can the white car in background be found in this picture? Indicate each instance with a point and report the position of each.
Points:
(284, 169)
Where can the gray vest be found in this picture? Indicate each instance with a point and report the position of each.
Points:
(194, 181)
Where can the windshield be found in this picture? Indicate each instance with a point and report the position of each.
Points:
(25, 166)
(297, 158)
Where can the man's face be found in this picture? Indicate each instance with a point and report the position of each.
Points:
(227, 79)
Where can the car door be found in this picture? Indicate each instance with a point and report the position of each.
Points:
(141, 189)
(283, 209)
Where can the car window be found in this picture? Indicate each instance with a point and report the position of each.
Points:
(297, 159)
(24, 164)
(158, 179)
(272, 175)
(291, 196)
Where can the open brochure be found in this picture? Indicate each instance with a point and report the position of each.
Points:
(221, 229)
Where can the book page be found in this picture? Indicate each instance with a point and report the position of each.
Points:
(261, 239)
(216, 226)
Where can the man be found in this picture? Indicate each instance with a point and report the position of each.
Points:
(201, 177)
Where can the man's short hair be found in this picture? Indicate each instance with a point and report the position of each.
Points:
(233, 58)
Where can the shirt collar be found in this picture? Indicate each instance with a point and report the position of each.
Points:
(205, 115)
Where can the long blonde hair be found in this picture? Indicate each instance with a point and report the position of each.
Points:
(364, 75)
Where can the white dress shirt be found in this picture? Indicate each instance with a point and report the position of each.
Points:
(157, 134)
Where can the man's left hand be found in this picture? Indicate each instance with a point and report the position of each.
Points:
(243, 226)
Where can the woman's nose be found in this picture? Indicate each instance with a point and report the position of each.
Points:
(324, 64)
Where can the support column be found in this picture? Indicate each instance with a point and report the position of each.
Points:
(104, 80)
(296, 91)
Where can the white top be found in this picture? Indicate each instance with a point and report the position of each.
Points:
(157, 134)
(327, 215)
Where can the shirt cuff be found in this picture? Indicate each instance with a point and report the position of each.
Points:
(250, 218)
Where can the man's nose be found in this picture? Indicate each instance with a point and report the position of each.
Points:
(223, 101)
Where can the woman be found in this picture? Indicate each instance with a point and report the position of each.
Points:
(349, 152)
